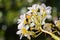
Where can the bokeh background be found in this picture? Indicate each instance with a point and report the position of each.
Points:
(10, 10)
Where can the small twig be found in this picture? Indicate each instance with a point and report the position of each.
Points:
(37, 31)
(38, 34)
(54, 31)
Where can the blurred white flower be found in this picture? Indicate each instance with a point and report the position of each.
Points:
(4, 27)
(29, 1)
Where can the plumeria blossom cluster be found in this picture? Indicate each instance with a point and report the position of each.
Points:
(32, 23)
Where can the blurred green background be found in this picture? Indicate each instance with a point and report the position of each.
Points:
(10, 11)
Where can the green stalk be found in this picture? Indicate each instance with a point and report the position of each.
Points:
(52, 35)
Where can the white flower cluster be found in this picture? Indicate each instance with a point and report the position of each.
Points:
(35, 17)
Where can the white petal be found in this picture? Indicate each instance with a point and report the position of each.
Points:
(18, 32)
(55, 21)
(43, 22)
(29, 37)
(20, 25)
(19, 21)
(21, 36)
(26, 35)
(32, 24)
(48, 10)
(49, 17)
(43, 5)
(27, 27)
(35, 6)
(22, 16)
(29, 8)
(29, 12)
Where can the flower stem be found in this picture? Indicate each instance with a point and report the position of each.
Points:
(52, 35)
(38, 34)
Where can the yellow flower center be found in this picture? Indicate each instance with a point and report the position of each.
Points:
(34, 10)
(24, 31)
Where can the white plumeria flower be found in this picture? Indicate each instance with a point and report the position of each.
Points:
(45, 12)
(24, 32)
(34, 8)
